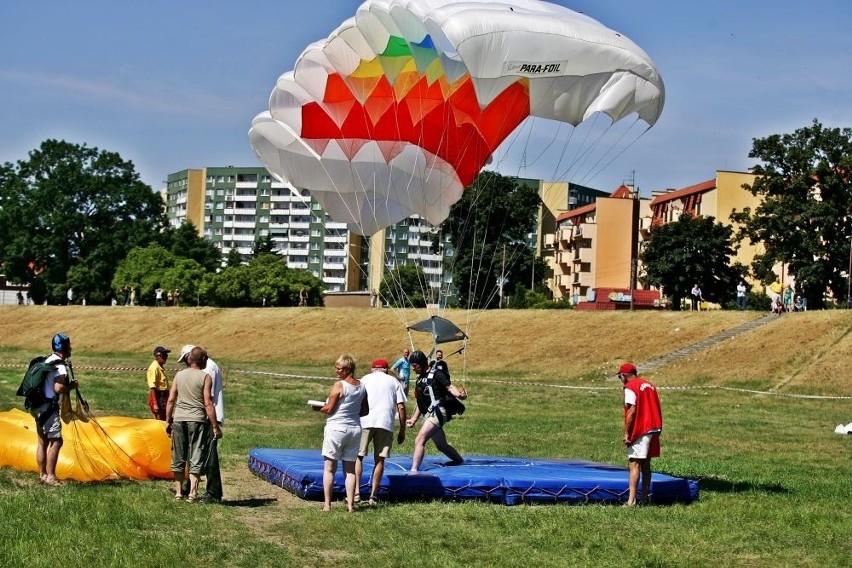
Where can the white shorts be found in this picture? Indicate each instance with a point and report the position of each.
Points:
(644, 447)
(341, 442)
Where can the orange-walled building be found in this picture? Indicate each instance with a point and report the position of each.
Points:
(717, 197)
(596, 247)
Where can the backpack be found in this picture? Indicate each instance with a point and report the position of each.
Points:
(32, 387)
(451, 404)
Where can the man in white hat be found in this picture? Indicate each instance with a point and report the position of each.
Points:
(213, 489)
(387, 402)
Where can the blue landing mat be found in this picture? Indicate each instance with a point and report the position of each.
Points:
(506, 480)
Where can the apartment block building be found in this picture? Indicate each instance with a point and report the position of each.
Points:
(234, 206)
(717, 197)
(596, 246)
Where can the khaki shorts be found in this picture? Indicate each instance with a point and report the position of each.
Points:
(190, 446)
(382, 442)
(438, 416)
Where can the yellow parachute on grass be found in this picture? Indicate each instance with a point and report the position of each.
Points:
(101, 449)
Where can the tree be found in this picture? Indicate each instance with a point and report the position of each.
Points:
(263, 245)
(264, 281)
(489, 229)
(233, 258)
(805, 217)
(185, 242)
(405, 287)
(689, 251)
(148, 268)
(73, 207)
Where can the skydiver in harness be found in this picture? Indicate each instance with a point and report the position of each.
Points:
(437, 403)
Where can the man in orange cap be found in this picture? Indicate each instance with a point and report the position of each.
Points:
(643, 422)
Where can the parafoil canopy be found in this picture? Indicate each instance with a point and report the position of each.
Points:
(442, 330)
(400, 107)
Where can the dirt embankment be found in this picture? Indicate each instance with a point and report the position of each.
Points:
(809, 348)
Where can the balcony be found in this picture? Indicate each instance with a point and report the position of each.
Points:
(240, 224)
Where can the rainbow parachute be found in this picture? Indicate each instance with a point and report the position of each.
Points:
(400, 107)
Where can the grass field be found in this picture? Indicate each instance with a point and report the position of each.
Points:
(773, 476)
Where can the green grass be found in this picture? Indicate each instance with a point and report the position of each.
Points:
(773, 477)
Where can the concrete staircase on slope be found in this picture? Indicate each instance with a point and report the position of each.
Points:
(705, 344)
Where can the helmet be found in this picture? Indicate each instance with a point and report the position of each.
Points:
(61, 343)
(418, 358)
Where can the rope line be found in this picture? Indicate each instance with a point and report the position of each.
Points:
(499, 382)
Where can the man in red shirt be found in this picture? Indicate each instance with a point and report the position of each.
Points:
(643, 422)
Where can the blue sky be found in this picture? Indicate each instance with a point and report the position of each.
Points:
(175, 85)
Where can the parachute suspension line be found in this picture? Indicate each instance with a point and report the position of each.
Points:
(598, 166)
(547, 146)
(82, 413)
(582, 150)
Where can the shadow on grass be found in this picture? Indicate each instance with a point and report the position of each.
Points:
(718, 485)
(249, 503)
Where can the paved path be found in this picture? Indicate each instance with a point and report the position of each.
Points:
(653, 364)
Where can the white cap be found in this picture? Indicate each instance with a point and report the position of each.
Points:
(184, 352)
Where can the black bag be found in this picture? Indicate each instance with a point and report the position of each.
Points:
(452, 405)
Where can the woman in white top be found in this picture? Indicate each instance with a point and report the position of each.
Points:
(346, 403)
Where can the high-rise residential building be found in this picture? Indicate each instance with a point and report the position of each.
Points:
(235, 206)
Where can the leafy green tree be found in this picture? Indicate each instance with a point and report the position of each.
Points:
(263, 245)
(148, 268)
(264, 281)
(689, 251)
(68, 207)
(234, 258)
(185, 242)
(489, 228)
(803, 220)
(271, 281)
(231, 288)
(405, 287)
